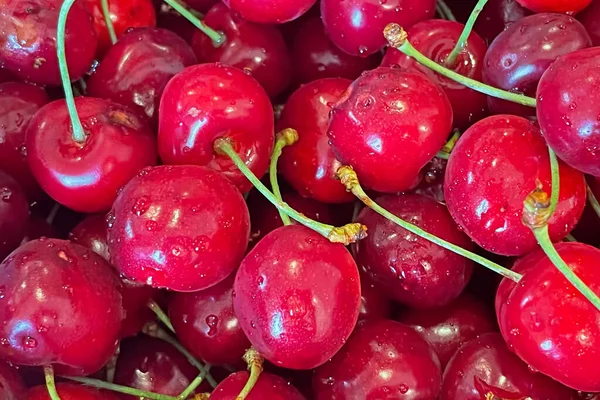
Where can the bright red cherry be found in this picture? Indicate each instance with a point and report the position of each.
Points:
(373, 303)
(28, 48)
(270, 11)
(496, 16)
(61, 305)
(297, 297)
(184, 228)
(589, 18)
(14, 213)
(382, 359)
(208, 101)
(71, 391)
(388, 125)
(268, 386)
(556, 6)
(137, 68)
(11, 384)
(492, 169)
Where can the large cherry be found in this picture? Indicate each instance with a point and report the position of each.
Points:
(137, 68)
(382, 359)
(14, 212)
(388, 125)
(11, 384)
(556, 6)
(492, 169)
(297, 297)
(589, 18)
(70, 391)
(184, 228)
(208, 101)
(268, 386)
(496, 16)
(270, 11)
(61, 305)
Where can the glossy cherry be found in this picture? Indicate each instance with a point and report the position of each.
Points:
(388, 125)
(11, 384)
(374, 304)
(208, 101)
(270, 11)
(589, 18)
(588, 228)
(137, 68)
(297, 297)
(14, 213)
(61, 305)
(432, 184)
(492, 169)
(184, 228)
(28, 47)
(556, 6)
(71, 391)
(496, 16)
(382, 359)
(519, 56)
(268, 386)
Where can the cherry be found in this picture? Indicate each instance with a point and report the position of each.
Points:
(37, 227)
(257, 49)
(410, 269)
(432, 184)
(373, 303)
(496, 16)
(11, 384)
(202, 6)
(356, 26)
(388, 125)
(382, 359)
(268, 386)
(70, 391)
(588, 18)
(556, 6)
(28, 48)
(485, 368)
(60, 305)
(436, 39)
(491, 171)
(518, 57)
(270, 11)
(14, 212)
(6, 75)
(137, 68)
(184, 228)
(571, 126)
(297, 297)
(91, 233)
(208, 101)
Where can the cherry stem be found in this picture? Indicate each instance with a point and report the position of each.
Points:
(113, 387)
(192, 386)
(593, 201)
(350, 180)
(464, 36)
(397, 38)
(286, 137)
(255, 365)
(108, 21)
(444, 153)
(160, 314)
(555, 171)
(78, 132)
(218, 38)
(52, 214)
(50, 384)
(570, 238)
(346, 234)
(445, 11)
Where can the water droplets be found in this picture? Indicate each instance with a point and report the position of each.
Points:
(140, 206)
(212, 322)
(29, 342)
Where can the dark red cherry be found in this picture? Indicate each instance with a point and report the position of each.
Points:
(382, 359)
(86, 176)
(518, 57)
(37, 227)
(11, 384)
(374, 304)
(356, 26)
(28, 46)
(297, 297)
(436, 39)
(485, 368)
(61, 305)
(137, 68)
(492, 169)
(202, 6)
(14, 213)
(208, 101)
(71, 391)
(171, 20)
(567, 109)
(589, 18)
(270, 11)
(6, 75)
(184, 228)
(91, 233)
(256, 49)
(588, 228)
(556, 6)
(496, 16)
(388, 125)
(268, 386)
(207, 326)
(410, 269)
(432, 184)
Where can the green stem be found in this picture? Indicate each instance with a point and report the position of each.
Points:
(217, 38)
(464, 36)
(50, 384)
(593, 201)
(192, 386)
(286, 137)
(444, 153)
(109, 25)
(555, 171)
(445, 11)
(113, 387)
(161, 315)
(570, 238)
(78, 132)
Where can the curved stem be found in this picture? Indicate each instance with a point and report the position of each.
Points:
(287, 137)
(50, 384)
(78, 132)
(97, 383)
(445, 11)
(464, 36)
(593, 201)
(444, 153)
(191, 387)
(570, 238)
(350, 180)
(109, 25)
(555, 171)
(217, 38)
(255, 365)
(160, 314)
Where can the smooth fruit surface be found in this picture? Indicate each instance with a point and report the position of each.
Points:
(270, 11)
(14, 212)
(11, 384)
(557, 6)
(268, 386)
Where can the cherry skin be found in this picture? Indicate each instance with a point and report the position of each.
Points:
(208, 101)
(297, 297)
(171, 20)
(492, 169)
(202, 6)
(556, 6)
(270, 11)
(356, 26)
(14, 213)
(137, 68)
(91, 233)
(29, 47)
(71, 391)
(432, 184)
(572, 127)
(588, 228)
(183, 228)
(7, 76)
(409, 269)
(388, 125)
(268, 386)
(373, 303)
(37, 227)
(11, 384)
(254, 48)
(589, 18)
(382, 359)
(436, 39)
(496, 16)
(61, 304)
(519, 56)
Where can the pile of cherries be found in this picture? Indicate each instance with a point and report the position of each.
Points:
(151, 252)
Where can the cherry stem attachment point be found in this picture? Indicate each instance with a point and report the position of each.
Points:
(97, 383)
(218, 38)
(464, 36)
(397, 38)
(50, 384)
(593, 201)
(160, 314)
(350, 180)
(255, 364)
(191, 387)
(108, 21)
(444, 11)
(286, 137)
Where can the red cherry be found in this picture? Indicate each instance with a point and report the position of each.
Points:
(491, 171)
(257, 49)
(171, 20)
(556, 6)
(270, 11)
(91, 233)
(496, 16)
(208, 101)
(184, 228)
(11, 384)
(70, 391)
(14, 213)
(28, 48)
(268, 386)
(202, 6)
(589, 18)
(382, 359)
(137, 68)
(388, 125)
(373, 303)
(572, 126)
(297, 297)
(61, 305)
(432, 184)
(6, 75)
(86, 176)
(37, 227)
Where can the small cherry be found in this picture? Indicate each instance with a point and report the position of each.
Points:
(432, 184)
(589, 18)
(496, 16)
(555, 6)
(270, 11)
(14, 213)
(268, 386)
(70, 391)
(11, 384)
(373, 303)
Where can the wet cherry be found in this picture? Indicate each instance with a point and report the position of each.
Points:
(91, 233)
(496, 16)
(268, 386)
(11, 384)
(557, 6)
(71, 391)
(432, 184)
(14, 213)
(270, 11)
(589, 18)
